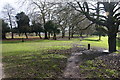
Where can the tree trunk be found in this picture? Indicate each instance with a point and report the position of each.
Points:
(40, 35)
(72, 32)
(3, 35)
(69, 33)
(43, 17)
(49, 35)
(26, 35)
(63, 34)
(87, 35)
(12, 35)
(112, 42)
(19, 34)
(72, 35)
(99, 37)
(46, 35)
(81, 34)
(36, 33)
(54, 37)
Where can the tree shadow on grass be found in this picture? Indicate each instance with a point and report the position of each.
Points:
(34, 65)
(25, 41)
(91, 40)
(91, 55)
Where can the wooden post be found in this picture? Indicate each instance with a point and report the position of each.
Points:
(88, 46)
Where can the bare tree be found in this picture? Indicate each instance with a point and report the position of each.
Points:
(111, 20)
(67, 18)
(62, 16)
(9, 13)
(44, 9)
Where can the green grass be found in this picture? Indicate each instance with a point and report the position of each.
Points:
(33, 58)
(103, 43)
(31, 47)
(95, 42)
(34, 66)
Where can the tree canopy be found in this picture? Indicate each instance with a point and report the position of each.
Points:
(23, 23)
(5, 29)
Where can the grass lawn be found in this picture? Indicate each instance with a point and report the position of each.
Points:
(95, 43)
(31, 47)
(33, 59)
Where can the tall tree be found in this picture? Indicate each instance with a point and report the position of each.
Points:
(52, 27)
(9, 12)
(111, 20)
(61, 17)
(56, 30)
(37, 28)
(49, 27)
(68, 18)
(5, 29)
(23, 23)
(44, 8)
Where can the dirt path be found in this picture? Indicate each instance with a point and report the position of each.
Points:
(72, 69)
(1, 71)
(2, 75)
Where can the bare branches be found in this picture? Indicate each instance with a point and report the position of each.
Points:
(116, 10)
(88, 15)
(116, 15)
(92, 5)
(79, 21)
(85, 10)
(74, 7)
(37, 5)
(87, 26)
(80, 7)
(98, 15)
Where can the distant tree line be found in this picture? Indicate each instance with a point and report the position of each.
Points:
(49, 20)
(72, 17)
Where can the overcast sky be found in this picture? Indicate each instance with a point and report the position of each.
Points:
(14, 3)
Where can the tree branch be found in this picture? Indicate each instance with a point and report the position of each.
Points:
(91, 18)
(116, 15)
(93, 14)
(80, 21)
(116, 10)
(87, 26)
(37, 5)
(74, 7)
(80, 7)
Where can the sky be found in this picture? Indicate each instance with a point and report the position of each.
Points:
(17, 5)
(14, 3)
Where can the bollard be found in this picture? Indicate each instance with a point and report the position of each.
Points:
(88, 46)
